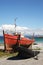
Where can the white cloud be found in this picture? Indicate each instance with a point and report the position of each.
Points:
(7, 27)
(0, 28)
(12, 28)
(23, 30)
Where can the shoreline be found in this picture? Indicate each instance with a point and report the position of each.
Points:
(34, 46)
(38, 46)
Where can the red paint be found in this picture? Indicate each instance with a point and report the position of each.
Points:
(10, 39)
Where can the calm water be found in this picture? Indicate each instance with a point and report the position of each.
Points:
(37, 39)
(1, 39)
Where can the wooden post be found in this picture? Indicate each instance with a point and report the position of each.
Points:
(30, 47)
(4, 41)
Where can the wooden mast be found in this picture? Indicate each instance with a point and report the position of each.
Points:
(4, 41)
(15, 23)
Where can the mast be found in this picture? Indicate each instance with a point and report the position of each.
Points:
(4, 41)
(15, 23)
(33, 36)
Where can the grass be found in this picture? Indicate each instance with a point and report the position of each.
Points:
(6, 54)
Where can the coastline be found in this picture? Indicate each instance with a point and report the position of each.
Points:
(36, 46)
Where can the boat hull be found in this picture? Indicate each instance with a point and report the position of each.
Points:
(13, 40)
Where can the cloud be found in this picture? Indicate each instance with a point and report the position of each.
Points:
(11, 28)
(23, 30)
(0, 28)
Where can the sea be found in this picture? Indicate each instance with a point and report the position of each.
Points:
(37, 39)
(1, 39)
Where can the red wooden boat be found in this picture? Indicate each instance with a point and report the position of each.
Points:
(16, 40)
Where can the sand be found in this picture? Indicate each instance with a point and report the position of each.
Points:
(38, 46)
(2, 47)
(29, 61)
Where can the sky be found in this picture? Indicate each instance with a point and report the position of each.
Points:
(28, 13)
